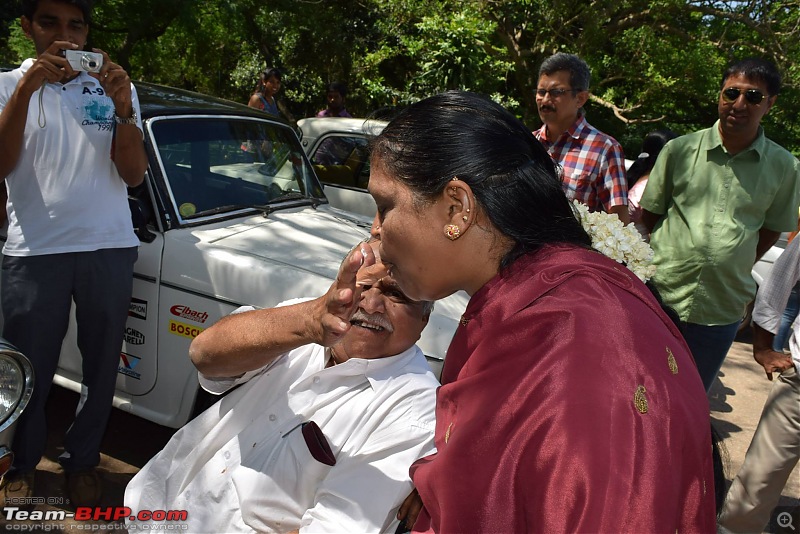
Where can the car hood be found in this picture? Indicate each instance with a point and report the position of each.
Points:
(310, 240)
(299, 248)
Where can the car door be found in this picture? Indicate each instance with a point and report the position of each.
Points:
(341, 162)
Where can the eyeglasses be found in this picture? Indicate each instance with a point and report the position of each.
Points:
(554, 93)
(753, 96)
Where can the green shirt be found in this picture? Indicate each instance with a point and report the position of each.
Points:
(714, 205)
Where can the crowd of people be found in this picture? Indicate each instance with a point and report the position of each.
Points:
(540, 421)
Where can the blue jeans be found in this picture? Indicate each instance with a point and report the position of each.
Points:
(789, 314)
(709, 346)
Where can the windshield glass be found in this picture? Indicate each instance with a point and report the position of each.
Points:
(222, 164)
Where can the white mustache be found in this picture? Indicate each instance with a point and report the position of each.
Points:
(376, 319)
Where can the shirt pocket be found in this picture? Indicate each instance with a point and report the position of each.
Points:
(282, 480)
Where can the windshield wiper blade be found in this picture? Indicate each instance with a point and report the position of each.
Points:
(265, 209)
(294, 195)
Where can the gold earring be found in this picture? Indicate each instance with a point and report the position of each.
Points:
(464, 218)
(452, 232)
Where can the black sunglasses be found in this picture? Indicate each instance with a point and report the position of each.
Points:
(554, 93)
(753, 96)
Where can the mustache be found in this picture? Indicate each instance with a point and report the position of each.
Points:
(372, 318)
(546, 108)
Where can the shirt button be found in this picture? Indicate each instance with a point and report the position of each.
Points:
(227, 455)
(63, 88)
(272, 417)
(316, 380)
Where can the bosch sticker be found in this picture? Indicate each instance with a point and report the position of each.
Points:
(185, 330)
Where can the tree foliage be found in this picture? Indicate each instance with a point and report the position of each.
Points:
(655, 63)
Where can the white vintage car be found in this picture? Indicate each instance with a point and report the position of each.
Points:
(231, 213)
(338, 149)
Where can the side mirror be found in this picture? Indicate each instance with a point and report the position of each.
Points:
(139, 217)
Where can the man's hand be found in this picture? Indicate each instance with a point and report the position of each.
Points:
(116, 83)
(341, 300)
(51, 66)
(409, 510)
(771, 361)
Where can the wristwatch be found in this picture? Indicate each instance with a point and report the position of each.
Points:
(122, 120)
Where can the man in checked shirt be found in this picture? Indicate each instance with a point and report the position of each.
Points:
(592, 163)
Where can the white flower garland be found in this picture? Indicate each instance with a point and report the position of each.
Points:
(621, 243)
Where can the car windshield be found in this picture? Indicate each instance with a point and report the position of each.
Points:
(223, 164)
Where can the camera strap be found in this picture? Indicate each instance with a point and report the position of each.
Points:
(42, 120)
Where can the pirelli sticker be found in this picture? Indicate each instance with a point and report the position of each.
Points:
(183, 329)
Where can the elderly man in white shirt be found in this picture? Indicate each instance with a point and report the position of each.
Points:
(336, 402)
(775, 448)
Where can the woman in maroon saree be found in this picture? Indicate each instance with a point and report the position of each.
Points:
(569, 400)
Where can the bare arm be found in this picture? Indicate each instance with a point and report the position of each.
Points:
(129, 154)
(766, 238)
(622, 213)
(650, 219)
(254, 102)
(247, 341)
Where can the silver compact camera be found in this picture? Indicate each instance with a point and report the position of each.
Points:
(85, 61)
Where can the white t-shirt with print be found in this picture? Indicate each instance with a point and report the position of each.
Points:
(65, 194)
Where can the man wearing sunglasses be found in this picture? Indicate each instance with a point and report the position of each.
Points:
(592, 163)
(717, 200)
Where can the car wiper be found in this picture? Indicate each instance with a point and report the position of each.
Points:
(289, 195)
(265, 209)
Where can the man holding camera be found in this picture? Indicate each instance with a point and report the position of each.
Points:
(70, 145)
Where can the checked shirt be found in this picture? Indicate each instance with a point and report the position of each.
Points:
(592, 165)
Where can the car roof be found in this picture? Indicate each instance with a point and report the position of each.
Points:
(160, 100)
(316, 126)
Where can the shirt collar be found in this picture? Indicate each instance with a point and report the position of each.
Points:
(380, 370)
(578, 126)
(714, 141)
(573, 131)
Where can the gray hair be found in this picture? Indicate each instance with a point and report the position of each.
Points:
(579, 73)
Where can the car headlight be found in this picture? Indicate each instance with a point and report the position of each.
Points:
(16, 384)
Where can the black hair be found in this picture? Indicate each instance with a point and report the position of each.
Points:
(579, 73)
(465, 135)
(265, 75)
(29, 8)
(651, 147)
(758, 69)
(337, 87)
(270, 72)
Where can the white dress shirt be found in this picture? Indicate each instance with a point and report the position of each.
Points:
(774, 294)
(243, 465)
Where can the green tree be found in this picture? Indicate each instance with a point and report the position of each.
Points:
(655, 63)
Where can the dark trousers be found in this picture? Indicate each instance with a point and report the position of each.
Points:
(36, 297)
(709, 346)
